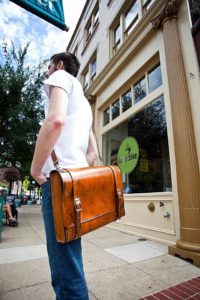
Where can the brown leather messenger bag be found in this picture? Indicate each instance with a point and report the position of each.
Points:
(85, 199)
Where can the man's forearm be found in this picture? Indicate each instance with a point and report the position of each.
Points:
(47, 138)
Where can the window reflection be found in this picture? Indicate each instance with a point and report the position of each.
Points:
(89, 30)
(96, 17)
(147, 4)
(155, 79)
(117, 37)
(93, 69)
(86, 79)
(148, 127)
(140, 90)
(131, 16)
(106, 116)
(126, 101)
(115, 109)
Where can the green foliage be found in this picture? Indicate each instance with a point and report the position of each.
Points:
(20, 107)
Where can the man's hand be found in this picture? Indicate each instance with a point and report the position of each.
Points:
(38, 176)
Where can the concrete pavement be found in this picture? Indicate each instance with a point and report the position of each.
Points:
(118, 266)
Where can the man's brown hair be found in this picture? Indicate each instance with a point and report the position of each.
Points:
(70, 61)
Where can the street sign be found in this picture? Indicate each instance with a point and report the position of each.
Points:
(49, 10)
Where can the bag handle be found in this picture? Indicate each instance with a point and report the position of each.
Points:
(55, 160)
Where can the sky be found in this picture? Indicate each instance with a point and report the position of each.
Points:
(21, 27)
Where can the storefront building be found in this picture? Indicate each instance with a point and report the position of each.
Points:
(140, 72)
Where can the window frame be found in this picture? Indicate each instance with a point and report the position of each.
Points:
(145, 100)
(121, 18)
(88, 70)
(133, 23)
(92, 24)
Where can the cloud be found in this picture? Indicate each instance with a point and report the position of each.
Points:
(21, 27)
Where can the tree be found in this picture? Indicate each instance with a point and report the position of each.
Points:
(21, 112)
(11, 175)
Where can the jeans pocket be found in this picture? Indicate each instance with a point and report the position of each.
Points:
(44, 184)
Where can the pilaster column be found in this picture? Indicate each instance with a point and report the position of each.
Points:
(187, 168)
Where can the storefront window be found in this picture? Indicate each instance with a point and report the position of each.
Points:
(140, 90)
(148, 127)
(115, 109)
(155, 79)
(106, 116)
(126, 100)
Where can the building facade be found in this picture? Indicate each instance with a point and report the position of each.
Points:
(140, 72)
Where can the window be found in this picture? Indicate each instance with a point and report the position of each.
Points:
(96, 17)
(86, 79)
(126, 100)
(194, 7)
(147, 4)
(92, 24)
(155, 78)
(75, 52)
(93, 69)
(106, 116)
(117, 37)
(148, 127)
(137, 92)
(126, 21)
(140, 90)
(89, 31)
(89, 72)
(131, 17)
(115, 109)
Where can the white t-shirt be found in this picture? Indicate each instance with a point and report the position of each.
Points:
(72, 144)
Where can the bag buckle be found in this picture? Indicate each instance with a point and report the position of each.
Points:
(77, 204)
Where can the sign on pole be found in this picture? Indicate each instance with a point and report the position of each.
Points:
(49, 10)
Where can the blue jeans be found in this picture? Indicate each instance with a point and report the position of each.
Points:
(65, 260)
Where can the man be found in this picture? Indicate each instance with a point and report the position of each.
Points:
(67, 131)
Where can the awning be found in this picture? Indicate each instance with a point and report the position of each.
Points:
(49, 10)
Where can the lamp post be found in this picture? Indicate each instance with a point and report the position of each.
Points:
(33, 185)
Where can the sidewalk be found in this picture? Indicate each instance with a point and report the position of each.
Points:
(118, 266)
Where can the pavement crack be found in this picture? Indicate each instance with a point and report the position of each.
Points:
(24, 287)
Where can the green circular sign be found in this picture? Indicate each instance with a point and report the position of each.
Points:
(128, 155)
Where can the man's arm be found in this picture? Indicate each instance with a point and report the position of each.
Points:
(92, 151)
(49, 132)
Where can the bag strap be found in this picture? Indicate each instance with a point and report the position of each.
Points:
(55, 160)
(119, 194)
(95, 135)
(77, 206)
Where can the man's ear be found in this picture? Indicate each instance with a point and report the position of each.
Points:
(60, 65)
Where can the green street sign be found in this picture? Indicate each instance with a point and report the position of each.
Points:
(49, 10)
(128, 155)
